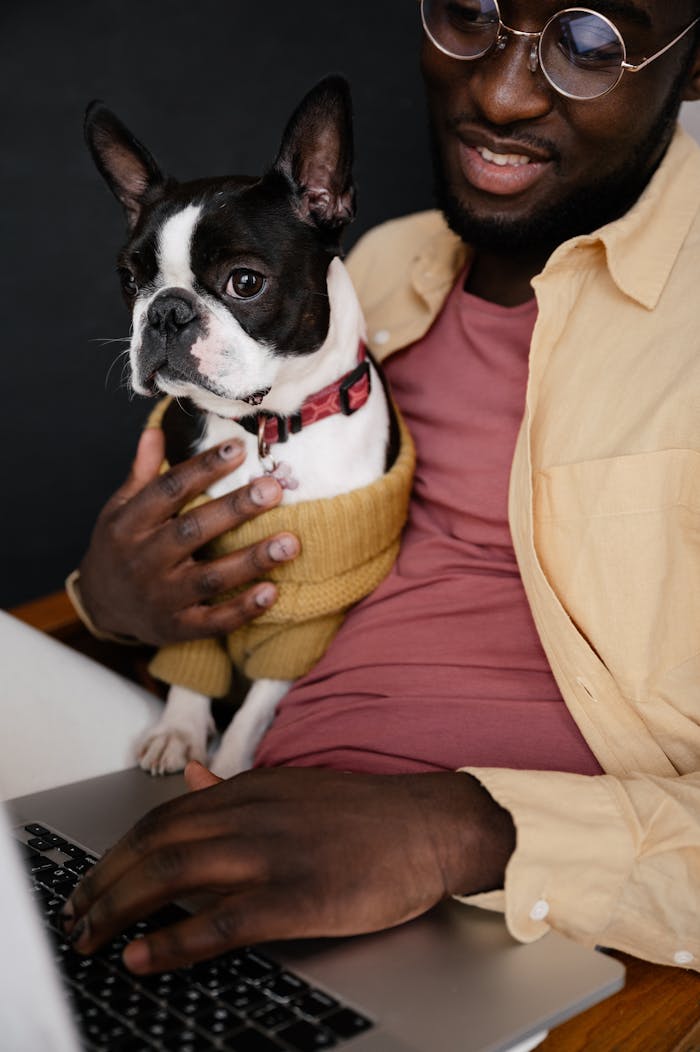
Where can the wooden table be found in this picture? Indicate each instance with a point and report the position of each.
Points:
(657, 1011)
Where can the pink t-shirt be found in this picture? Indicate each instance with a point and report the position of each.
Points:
(441, 666)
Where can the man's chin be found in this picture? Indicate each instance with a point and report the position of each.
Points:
(533, 234)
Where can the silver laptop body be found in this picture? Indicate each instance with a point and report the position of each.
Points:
(452, 981)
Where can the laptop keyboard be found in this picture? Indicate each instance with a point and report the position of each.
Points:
(243, 1001)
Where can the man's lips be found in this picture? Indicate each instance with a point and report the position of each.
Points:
(498, 167)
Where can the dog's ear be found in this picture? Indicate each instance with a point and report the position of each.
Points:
(126, 165)
(316, 155)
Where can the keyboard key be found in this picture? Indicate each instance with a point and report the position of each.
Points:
(165, 987)
(253, 966)
(270, 1017)
(80, 968)
(36, 830)
(219, 1020)
(159, 1024)
(53, 905)
(316, 1003)
(306, 1036)
(54, 840)
(213, 976)
(192, 1001)
(64, 888)
(73, 851)
(243, 997)
(285, 986)
(77, 865)
(346, 1023)
(41, 865)
(130, 1043)
(57, 876)
(249, 1040)
(109, 987)
(40, 843)
(189, 1041)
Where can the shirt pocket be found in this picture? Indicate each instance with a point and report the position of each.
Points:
(619, 541)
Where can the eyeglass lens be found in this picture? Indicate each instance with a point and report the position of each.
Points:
(581, 53)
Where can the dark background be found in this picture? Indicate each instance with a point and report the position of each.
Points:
(208, 87)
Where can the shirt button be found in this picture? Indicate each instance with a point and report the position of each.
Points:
(382, 336)
(684, 957)
(540, 910)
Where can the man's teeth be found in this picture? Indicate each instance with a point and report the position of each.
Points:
(515, 160)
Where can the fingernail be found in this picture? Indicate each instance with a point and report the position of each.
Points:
(78, 931)
(230, 450)
(263, 491)
(136, 956)
(265, 596)
(282, 548)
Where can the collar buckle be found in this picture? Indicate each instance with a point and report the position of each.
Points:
(345, 388)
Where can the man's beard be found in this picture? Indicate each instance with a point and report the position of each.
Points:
(586, 210)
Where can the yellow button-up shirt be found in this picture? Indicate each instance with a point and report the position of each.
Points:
(604, 513)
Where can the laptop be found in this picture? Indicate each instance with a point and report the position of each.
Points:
(451, 981)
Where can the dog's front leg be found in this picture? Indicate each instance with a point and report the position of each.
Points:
(242, 737)
(179, 735)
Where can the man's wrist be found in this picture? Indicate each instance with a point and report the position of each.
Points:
(72, 586)
(471, 835)
(485, 844)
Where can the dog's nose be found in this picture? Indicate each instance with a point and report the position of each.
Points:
(170, 313)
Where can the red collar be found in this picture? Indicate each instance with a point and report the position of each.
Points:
(346, 396)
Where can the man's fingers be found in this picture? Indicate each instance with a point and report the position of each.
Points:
(197, 776)
(234, 920)
(187, 533)
(170, 823)
(165, 495)
(202, 581)
(149, 457)
(169, 872)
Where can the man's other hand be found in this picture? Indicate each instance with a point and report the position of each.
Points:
(140, 576)
(291, 852)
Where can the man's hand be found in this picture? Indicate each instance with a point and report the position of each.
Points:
(139, 576)
(287, 853)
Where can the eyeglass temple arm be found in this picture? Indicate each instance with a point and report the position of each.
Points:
(631, 68)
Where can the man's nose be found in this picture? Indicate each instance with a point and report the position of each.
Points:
(508, 85)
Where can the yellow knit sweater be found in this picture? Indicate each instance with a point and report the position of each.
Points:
(349, 544)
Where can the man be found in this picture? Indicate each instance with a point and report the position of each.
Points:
(561, 169)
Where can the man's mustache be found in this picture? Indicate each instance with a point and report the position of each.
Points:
(464, 122)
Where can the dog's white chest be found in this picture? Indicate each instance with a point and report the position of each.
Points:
(330, 457)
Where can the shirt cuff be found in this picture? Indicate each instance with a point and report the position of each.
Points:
(72, 586)
(572, 856)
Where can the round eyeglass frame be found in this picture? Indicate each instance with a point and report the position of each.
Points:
(504, 31)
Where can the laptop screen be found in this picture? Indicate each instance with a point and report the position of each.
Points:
(33, 1011)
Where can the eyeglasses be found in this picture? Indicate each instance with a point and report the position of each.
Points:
(580, 52)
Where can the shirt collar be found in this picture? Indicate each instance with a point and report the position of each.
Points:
(434, 269)
(642, 247)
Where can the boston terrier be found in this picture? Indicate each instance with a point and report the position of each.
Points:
(244, 313)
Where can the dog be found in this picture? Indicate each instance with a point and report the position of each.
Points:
(244, 313)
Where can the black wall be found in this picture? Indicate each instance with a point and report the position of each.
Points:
(208, 87)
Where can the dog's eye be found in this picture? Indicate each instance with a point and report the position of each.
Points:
(244, 283)
(128, 281)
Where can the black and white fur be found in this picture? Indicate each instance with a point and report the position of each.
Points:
(194, 252)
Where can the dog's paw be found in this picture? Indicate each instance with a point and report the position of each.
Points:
(165, 750)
